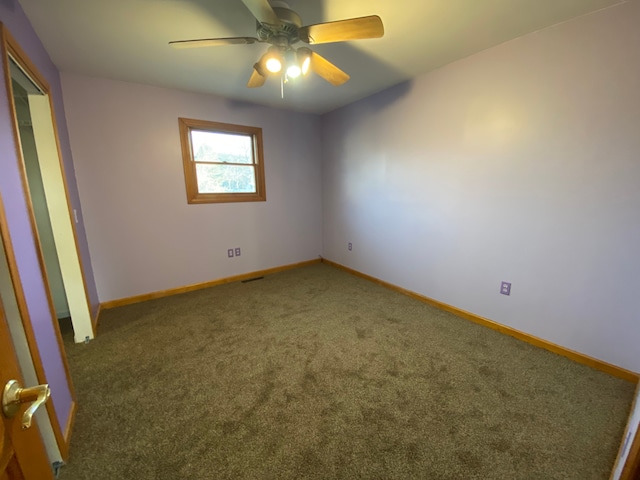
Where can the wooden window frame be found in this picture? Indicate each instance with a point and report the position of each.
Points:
(190, 175)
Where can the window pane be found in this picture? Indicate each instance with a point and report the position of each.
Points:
(214, 178)
(221, 147)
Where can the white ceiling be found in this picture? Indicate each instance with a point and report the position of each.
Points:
(127, 40)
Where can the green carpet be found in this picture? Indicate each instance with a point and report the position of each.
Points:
(316, 374)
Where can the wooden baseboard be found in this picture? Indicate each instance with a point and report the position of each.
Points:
(198, 286)
(538, 342)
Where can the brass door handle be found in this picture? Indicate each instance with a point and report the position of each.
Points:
(14, 395)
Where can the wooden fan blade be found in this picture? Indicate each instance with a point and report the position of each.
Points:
(213, 42)
(257, 79)
(343, 30)
(262, 10)
(327, 70)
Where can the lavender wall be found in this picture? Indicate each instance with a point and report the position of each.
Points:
(143, 235)
(15, 21)
(519, 163)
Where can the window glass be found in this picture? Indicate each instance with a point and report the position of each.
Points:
(222, 162)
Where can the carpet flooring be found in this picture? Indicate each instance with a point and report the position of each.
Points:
(313, 373)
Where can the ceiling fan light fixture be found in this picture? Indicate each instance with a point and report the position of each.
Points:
(305, 65)
(273, 65)
(304, 59)
(273, 61)
(293, 71)
(293, 66)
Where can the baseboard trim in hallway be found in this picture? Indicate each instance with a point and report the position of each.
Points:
(614, 370)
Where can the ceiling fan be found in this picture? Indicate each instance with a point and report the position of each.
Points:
(282, 28)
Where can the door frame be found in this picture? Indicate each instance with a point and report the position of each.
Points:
(11, 49)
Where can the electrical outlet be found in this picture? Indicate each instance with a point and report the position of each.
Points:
(350, 247)
(237, 251)
(505, 288)
(230, 253)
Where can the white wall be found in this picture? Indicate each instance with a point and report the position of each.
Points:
(142, 234)
(520, 163)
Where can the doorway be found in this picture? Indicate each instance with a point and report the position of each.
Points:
(36, 189)
(49, 207)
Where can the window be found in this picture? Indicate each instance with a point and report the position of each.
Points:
(222, 162)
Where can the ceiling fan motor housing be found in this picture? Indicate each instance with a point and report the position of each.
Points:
(284, 34)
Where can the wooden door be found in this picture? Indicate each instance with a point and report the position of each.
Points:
(22, 453)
